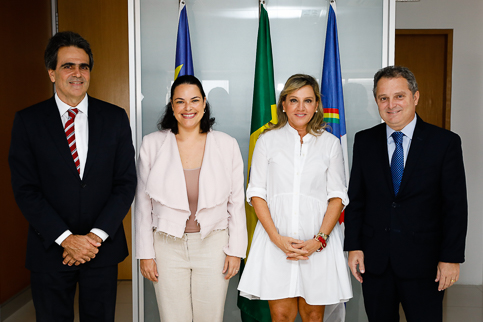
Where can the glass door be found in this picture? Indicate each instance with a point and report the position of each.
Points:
(223, 41)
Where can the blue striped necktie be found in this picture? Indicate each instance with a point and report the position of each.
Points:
(397, 161)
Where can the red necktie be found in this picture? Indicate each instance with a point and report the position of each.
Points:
(70, 134)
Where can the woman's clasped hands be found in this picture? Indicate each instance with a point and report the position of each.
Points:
(296, 249)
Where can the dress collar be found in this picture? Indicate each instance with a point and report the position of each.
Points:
(307, 137)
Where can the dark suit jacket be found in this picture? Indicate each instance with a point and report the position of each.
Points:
(51, 194)
(426, 223)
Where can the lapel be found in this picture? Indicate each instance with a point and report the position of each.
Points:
(54, 126)
(415, 150)
(95, 121)
(214, 188)
(166, 182)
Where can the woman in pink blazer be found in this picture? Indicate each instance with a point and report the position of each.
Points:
(190, 210)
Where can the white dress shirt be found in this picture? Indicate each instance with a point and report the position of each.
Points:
(81, 126)
(408, 132)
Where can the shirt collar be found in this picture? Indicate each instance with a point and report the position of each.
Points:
(307, 137)
(63, 108)
(408, 130)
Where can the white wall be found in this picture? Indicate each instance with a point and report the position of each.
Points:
(465, 17)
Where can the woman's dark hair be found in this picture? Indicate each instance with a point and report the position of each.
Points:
(65, 39)
(169, 122)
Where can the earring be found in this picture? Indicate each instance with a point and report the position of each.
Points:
(204, 111)
(316, 111)
(283, 111)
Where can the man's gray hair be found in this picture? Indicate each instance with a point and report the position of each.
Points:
(394, 72)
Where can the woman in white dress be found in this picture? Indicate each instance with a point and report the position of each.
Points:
(297, 187)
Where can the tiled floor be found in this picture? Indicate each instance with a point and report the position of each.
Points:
(462, 303)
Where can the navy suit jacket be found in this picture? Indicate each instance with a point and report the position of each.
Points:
(50, 193)
(426, 222)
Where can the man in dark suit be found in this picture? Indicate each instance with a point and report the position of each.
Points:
(73, 176)
(407, 218)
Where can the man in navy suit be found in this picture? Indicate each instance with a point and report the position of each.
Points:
(407, 218)
(73, 176)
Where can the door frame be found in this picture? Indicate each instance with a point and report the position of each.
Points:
(135, 102)
(449, 64)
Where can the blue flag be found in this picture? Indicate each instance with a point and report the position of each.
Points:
(334, 116)
(332, 95)
(184, 60)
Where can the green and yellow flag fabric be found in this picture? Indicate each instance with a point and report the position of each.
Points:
(264, 110)
(264, 106)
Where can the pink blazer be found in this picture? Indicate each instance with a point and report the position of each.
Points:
(162, 200)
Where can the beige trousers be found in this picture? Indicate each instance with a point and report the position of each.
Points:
(191, 286)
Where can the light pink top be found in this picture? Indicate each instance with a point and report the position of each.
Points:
(161, 197)
(192, 178)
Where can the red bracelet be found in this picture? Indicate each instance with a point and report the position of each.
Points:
(322, 241)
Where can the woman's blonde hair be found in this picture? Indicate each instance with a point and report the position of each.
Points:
(295, 82)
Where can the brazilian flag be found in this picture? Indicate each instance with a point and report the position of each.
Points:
(264, 110)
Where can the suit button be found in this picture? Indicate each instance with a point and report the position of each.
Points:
(387, 229)
(394, 205)
(83, 185)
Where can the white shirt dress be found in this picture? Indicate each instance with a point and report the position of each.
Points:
(297, 180)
